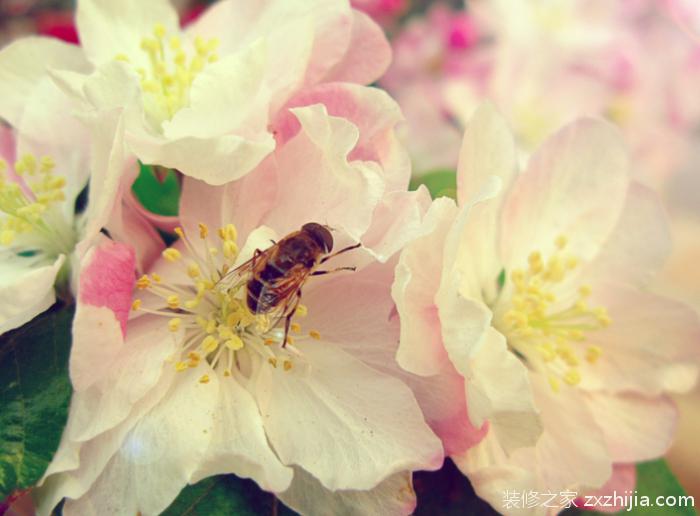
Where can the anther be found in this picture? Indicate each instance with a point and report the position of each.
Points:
(172, 255)
(173, 301)
(174, 324)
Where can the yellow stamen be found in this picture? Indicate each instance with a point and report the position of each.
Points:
(172, 255)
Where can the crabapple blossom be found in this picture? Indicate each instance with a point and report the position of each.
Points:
(535, 295)
(176, 380)
(46, 158)
(202, 99)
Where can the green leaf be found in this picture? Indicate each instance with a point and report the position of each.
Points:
(654, 479)
(441, 183)
(161, 198)
(34, 395)
(224, 495)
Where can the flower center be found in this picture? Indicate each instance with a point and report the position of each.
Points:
(216, 323)
(552, 336)
(33, 219)
(166, 82)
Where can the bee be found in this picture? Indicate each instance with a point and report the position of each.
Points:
(274, 277)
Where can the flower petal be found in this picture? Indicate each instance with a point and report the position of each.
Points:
(396, 221)
(76, 465)
(376, 116)
(572, 450)
(574, 185)
(107, 28)
(215, 160)
(24, 65)
(226, 97)
(621, 483)
(344, 193)
(113, 375)
(624, 420)
(336, 428)
(639, 244)
(367, 55)
(498, 390)
(638, 356)
(107, 279)
(417, 281)
(238, 443)
(488, 149)
(393, 496)
(159, 454)
(25, 290)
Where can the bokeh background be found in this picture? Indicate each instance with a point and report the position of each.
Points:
(635, 62)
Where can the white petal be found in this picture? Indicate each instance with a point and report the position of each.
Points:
(498, 390)
(345, 193)
(640, 243)
(25, 290)
(625, 422)
(393, 496)
(159, 455)
(113, 376)
(215, 160)
(109, 28)
(395, 222)
(226, 97)
(487, 150)
(650, 347)
(368, 53)
(574, 185)
(417, 281)
(238, 443)
(572, 450)
(24, 65)
(76, 465)
(331, 421)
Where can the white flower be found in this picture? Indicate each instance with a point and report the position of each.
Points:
(535, 297)
(204, 100)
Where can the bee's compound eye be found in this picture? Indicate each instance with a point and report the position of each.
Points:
(320, 234)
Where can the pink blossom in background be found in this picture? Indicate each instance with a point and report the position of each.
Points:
(545, 65)
(384, 12)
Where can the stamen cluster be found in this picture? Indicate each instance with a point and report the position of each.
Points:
(211, 312)
(166, 84)
(26, 204)
(539, 329)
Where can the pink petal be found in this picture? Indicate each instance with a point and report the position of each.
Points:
(367, 56)
(107, 279)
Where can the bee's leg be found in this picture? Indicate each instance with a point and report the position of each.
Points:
(320, 273)
(343, 250)
(288, 318)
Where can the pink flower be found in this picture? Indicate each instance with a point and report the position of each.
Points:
(191, 384)
(535, 296)
(544, 65)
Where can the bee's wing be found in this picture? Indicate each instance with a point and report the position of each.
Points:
(284, 293)
(241, 274)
